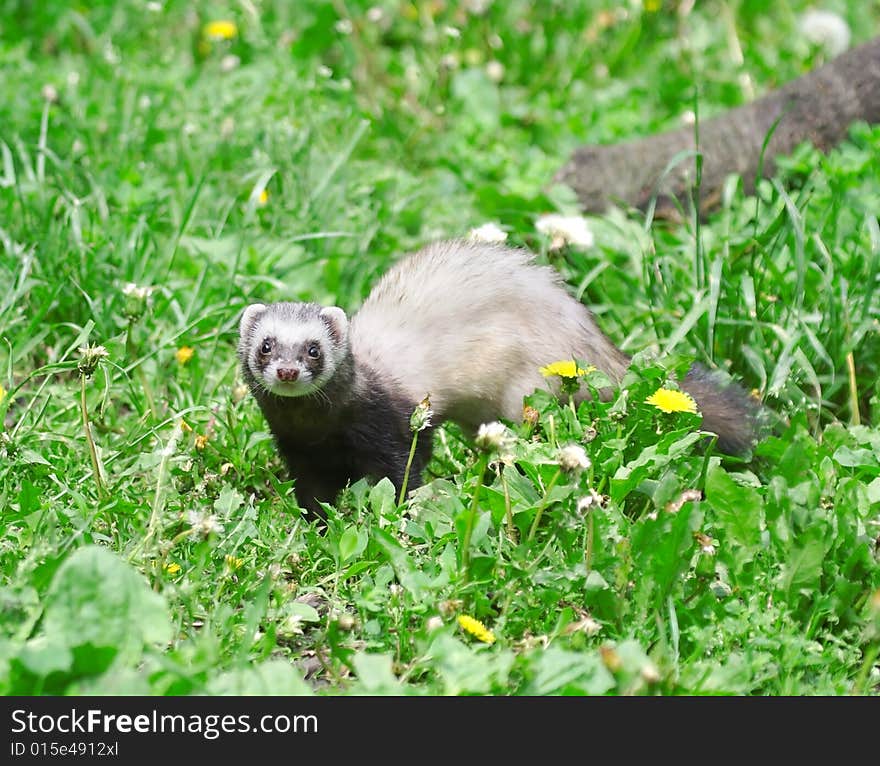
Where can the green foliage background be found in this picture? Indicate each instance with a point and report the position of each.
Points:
(135, 150)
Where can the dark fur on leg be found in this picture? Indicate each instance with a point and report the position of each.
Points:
(726, 408)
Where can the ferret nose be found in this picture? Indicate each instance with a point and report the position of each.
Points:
(287, 374)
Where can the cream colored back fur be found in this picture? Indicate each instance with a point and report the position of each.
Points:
(471, 324)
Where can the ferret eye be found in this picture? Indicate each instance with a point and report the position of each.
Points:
(314, 351)
(266, 348)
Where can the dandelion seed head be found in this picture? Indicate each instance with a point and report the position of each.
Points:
(90, 358)
(573, 458)
(449, 61)
(565, 230)
(488, 232)
(492, 436)
(421, 415)
(826, 29)
(590, 501)
(203, 524)
(239, 392)
(495, 71)
(229, 62)
(650, 673)
(49, 93)
(346, 621)
(137, 300)
(477, 7)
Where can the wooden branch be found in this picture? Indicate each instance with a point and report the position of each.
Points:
(818, 107)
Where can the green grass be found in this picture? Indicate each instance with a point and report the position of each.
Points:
(148, 169)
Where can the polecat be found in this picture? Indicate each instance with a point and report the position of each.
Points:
(469, 323)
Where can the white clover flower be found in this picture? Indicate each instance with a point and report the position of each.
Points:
(374, 14)
(573, 458)
(488, 232)
(344, 26)
(492, 436)
(827, 29)
(565, 229)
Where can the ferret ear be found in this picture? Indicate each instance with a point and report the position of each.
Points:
(249, 317)
(337, 321)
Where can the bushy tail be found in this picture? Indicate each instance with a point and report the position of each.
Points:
(726, 408)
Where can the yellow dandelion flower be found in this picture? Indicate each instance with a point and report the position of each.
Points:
(565, 369)
(233, 562)
(222, 29)
(184, 354)
(171, 568)
(476, 629)
(670, 400)
(263, 197)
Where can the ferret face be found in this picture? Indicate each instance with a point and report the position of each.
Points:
(292, 349)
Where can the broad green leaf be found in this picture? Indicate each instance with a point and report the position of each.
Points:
(96, 598)
(558, 671)
(739, 509)
(270, 678)
(375, 674)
